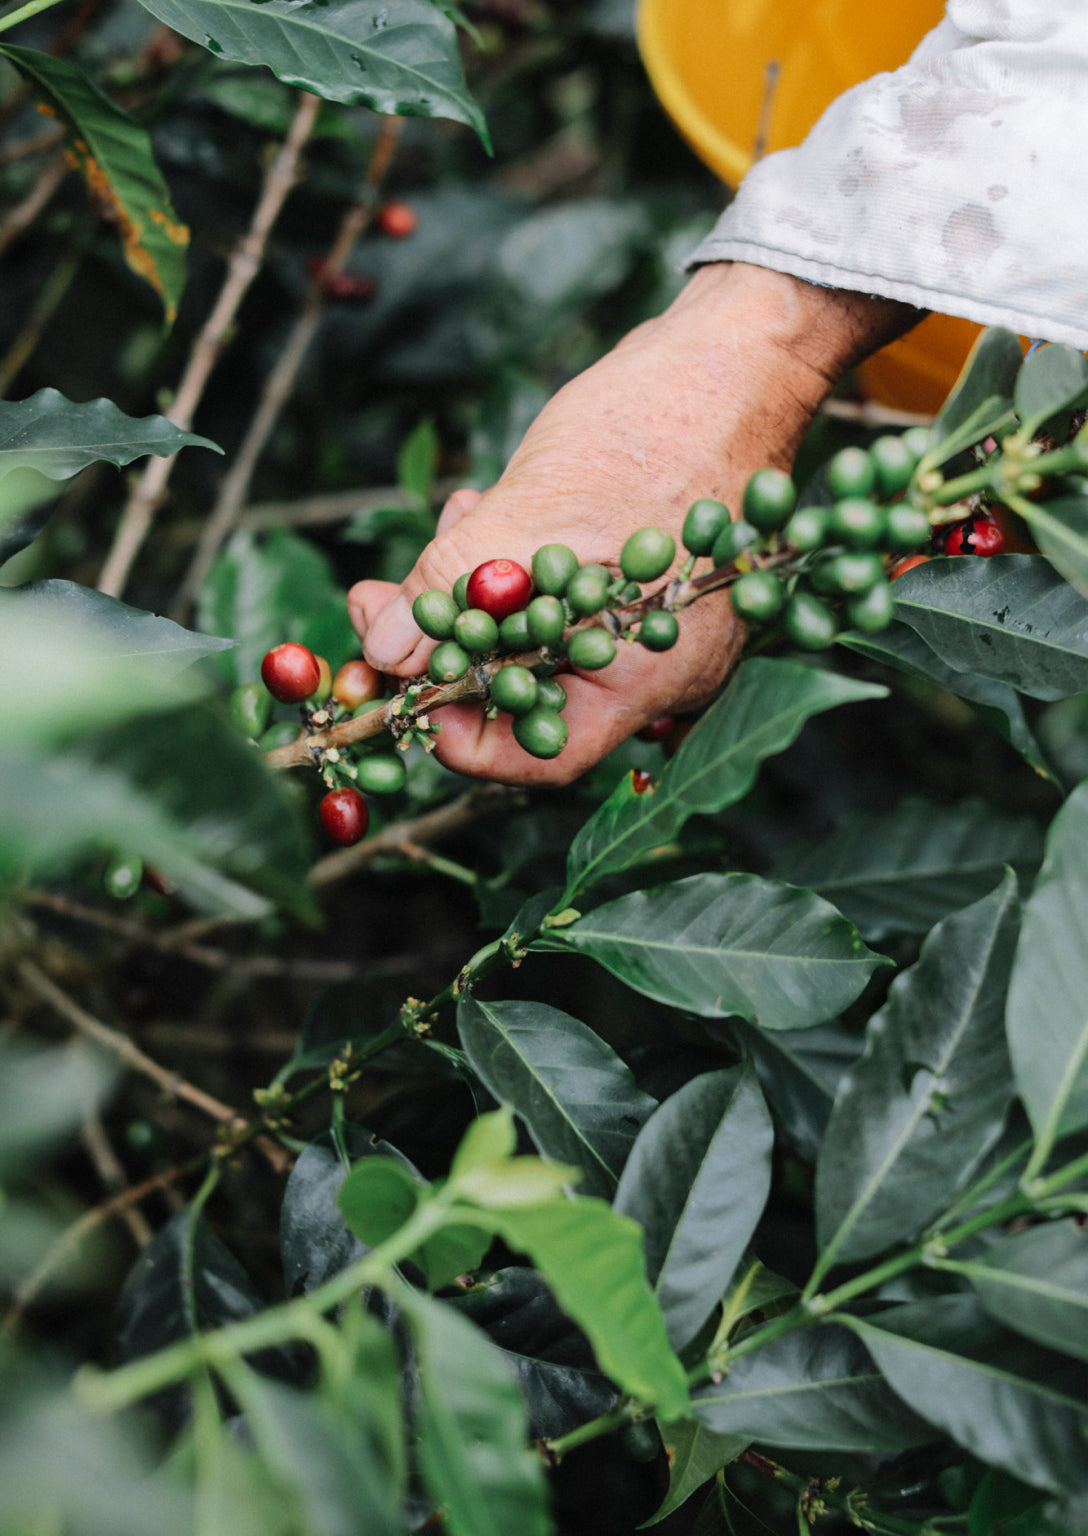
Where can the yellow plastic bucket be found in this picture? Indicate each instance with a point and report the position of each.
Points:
(707, 61)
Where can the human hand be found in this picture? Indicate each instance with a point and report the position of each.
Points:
(689, 405)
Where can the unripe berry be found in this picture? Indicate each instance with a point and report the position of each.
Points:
(515, 690)
(893, 462)
(587, 590)
(703, 525)
(545, 620)
(874, 610)
(659, 630)
(499, 587)
(434, 611)
(808, 622)
(757, 597)
(459, 591)
(551, 694)
(907, 528)
(769, 498)
(344, 816)
(541, 733)
(591, 649)
(857, 522)
(383, 773)
(647, 554)
(476, 631)
(250, 707)
(807, 529)
(733, 538)
(514, 631)
(290, 672)
(553, 567)
(850, 473)
(357, 682)
(324, 682)
(448, 662)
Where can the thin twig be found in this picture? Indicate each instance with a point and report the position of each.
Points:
(243, 266)
(870, 413)
(113, 1177)
(33, 144)
(316, 511)
(281, 380)
(22, 216)
(48, 301)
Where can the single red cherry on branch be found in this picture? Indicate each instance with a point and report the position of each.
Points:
(398, 220)
(290, 672)
(499, 587)
(978, 535)
(344, 816)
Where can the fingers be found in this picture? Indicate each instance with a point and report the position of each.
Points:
(457, 505)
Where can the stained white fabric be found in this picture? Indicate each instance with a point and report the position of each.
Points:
(958, 183)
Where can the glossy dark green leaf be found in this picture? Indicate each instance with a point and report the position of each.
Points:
(578, 1099)
(559, 1398)
(799, 1072)
(760, 713)
(1060, 528)
(902, 871)
(1012, 1404)
(1036, 1282)
(113, 154)
(1047, 1019)
(728, 944)
(315, 1241)
(697, 1181)
(400, 58)
(816, 1389)
(59, 437)
(929, 1096)
(1012, 618)
(982, 395)
(472, 1429)
(695, 1453)
(1051, 381)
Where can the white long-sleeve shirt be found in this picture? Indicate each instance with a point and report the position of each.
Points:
(957, 183)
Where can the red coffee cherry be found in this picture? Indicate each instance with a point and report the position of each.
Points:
(344, 816)
(658, 729)
(340, 287)
(978, 535)
(357, 682)
(641, 780)
(499, 587)
(398, 220)
(290, 672)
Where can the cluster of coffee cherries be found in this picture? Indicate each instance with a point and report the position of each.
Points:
(567, 612)
(292, 674)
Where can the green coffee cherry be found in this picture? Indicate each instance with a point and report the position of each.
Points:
(587, 590)
(449, 662)
(852, 572)
(460, 593)
(857, 522)
(550, 694)
(908, 528)
(919, 440)
(591, 649)
(647, 554)
(250, 707)
(545, 620)
(703, 525)
(872, 611)
(808, 622)
(515, 690)
(769, 498)
(757, 597)
(282, 734)
(733, 538)
(807, 529)
(383, 773)
(542, 732)
(366, 707)
(893, 463)
(850, 473)
(476, 631)
(123, 875)
(434, 611)
(553, 567)
(659, 630)
(514, 632)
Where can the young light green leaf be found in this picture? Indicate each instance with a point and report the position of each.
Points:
(902, 871)
(929, 1096)
(728, 944)
(578, 1099)
(982, 395)
(59, 437)
(815, 1389)
(472, 1429)
(1052, 380)
(1047, 1017)
(1036, 1282)
(760, 713)
(377, 1197)
(399, 59)
(1012, 1404)
(114, 156)
(695, 1453)
(696, 1182)
(491, 1138)
(1013, 618)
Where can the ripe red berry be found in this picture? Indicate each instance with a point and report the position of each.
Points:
(340, 287)
(290, 672)
(398, 220)
(657, 730)
(357, 682)
(979, 535)
(344, 816)
(499, 587)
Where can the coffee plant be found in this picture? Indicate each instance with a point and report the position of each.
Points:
(700, 1147)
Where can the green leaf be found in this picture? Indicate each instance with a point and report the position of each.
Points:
(472, 1429)
(813, 1390)
(59, 437)
(1012, 1404)
(1060, 528)
(799, 1072)
(981, 398)
(1036, 1282)
(760, 713)
(902, 871)
(1052, 380)
(578, 1099)
(46, 1094)
(728, 944)
(1047, 1017)
(697, 1181)
(1011, 617)
(27, 501)
(315, 1244)
(915, 1116)
(417, 462)
(113, 154)
(400, 58)
(377, 1197)
(695, 1453)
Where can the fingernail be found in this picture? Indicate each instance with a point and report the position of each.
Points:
(393, 635)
